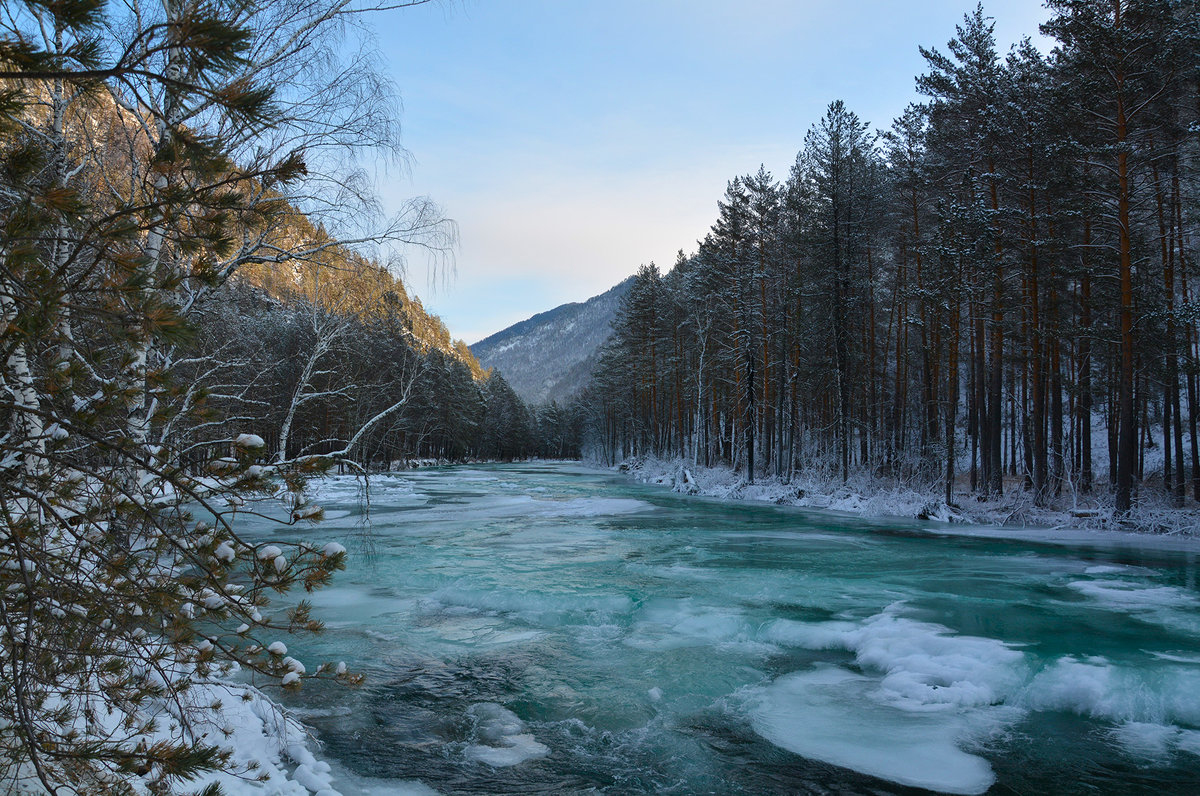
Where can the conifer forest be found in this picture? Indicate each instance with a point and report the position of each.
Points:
(998, 290)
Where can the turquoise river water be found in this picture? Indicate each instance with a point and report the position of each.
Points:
(548, 628)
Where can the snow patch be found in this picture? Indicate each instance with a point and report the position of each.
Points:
(868, 496)
(1094, 686)
(1146, 741)
(923, 694)
(501, 738)
(834, 715)
(924, 665)
(1134, 596)
(666, 624)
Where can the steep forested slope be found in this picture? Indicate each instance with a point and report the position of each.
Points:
(346, 283)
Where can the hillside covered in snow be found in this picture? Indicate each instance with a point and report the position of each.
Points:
(550, 356)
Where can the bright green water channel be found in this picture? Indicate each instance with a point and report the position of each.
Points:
(551, 629)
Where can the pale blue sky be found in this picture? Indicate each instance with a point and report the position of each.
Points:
(573, 140)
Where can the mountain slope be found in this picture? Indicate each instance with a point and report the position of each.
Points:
(550, 356)
(347, 283)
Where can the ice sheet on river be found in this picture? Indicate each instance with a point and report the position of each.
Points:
(925, 693)
(526, 505)
(502, 738)
(923, 696)
(832, 714)
(1168, 606)
(382, 489)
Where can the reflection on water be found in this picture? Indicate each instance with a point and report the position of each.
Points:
(547, 628)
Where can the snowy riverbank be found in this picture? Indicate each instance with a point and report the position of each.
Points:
(269, 750)
(866, 496)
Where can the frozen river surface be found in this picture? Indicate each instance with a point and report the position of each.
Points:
(553, 629)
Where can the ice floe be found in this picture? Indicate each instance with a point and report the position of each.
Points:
(501, 739)
(832, 714)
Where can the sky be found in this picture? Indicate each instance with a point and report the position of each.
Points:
(574, 140)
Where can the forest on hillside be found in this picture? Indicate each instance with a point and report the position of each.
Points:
(997, 292)
(266, 280)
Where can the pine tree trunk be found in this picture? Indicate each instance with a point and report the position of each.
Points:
(1037, 379)
(1085, 363)
(951, 401)
(974, 392)
(750, 419)
(1127, 440)
(1056, 417)
(995, 428)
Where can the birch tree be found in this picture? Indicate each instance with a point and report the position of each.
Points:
(148, 153)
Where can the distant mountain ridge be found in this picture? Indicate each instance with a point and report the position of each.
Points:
(549, 357)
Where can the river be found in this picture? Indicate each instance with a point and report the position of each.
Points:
(547, 628)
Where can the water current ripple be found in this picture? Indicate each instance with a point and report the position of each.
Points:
(548, 628)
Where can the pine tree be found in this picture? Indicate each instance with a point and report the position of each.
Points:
(838, 151)
(1120, 57)
(134, 182)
